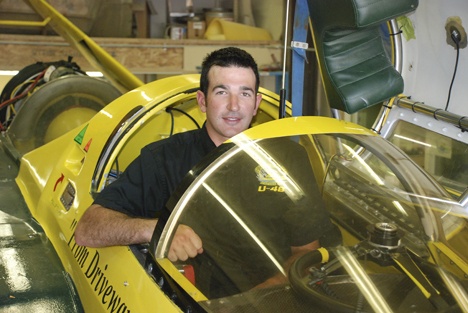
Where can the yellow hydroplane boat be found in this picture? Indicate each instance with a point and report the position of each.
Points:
(396, 192)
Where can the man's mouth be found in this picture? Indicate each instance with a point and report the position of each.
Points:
(231, 119)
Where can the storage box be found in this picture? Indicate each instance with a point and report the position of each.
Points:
(195, 29)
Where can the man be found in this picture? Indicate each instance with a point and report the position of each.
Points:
(124, 212)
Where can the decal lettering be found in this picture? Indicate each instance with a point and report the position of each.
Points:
(263, 188)
(269, 183)
(80, 253)
(114, 302)
(95, 273)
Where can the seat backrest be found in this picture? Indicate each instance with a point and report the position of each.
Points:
(355, 68)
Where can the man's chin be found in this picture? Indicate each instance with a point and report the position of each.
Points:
(233, 132)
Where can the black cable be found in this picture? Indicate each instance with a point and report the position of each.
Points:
(117, 168)
(454, 73)
(186, 114)
(172, 122)
(397, 33)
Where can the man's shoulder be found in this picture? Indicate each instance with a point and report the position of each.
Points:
(179, 140)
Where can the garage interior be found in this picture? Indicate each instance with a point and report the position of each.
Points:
(137, 33)
(155, 39)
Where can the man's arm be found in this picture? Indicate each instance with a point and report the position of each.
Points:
(101, 227)
(301, 250)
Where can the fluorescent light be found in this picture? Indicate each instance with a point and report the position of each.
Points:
(413, 140)
(13, 73)
(8, 73)
(94, 74)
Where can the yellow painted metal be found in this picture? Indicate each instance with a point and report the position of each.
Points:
(420, 286)
(121, 77)
(44, 175)
(449, 258)
(292, 126)
(325, 254)
(157, 124)
(169, 268)
(25, 23)
(97, 273)
(66, 121)
(46, 172)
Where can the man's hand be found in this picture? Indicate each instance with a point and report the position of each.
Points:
(296, 252)
(186, 244)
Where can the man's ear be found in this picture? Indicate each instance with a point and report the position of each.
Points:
(257, 103)
(201, 101)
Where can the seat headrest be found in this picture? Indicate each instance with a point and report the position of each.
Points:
(358, 13)
(355, 68)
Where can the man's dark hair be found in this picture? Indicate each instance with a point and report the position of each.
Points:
(226, 57)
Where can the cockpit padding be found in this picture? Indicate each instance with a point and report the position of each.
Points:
(355, 68)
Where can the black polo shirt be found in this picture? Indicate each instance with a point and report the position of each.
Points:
(145, 186)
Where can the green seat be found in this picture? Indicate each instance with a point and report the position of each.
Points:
(355, 69)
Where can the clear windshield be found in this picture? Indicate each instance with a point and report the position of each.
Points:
(260, 204)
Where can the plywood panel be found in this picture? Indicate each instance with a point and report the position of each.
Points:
(138, 55)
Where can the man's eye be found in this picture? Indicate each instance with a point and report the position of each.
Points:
(246, 94)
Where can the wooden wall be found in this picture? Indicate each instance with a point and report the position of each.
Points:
(139, 55)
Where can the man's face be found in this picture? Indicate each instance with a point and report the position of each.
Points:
(230, 103)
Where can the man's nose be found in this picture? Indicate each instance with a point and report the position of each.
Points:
(233, 103)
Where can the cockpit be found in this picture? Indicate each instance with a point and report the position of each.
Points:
(381, 221)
